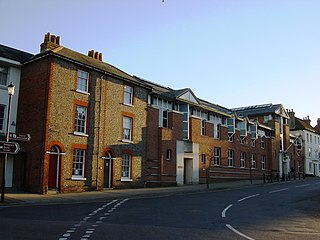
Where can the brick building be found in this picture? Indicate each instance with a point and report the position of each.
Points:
(194, 140)
(87, 120)
(94, 126)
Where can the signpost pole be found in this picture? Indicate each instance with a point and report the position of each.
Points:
(10, 93)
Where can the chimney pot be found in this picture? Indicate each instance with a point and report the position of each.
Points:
(90, 53)
(96, 55)
(100, 57)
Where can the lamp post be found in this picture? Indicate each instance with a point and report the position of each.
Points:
(10, 94)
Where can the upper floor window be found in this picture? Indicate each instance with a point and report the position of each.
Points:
(83, 81)
(203, 127)
(217, 132)
(217, 156)
(2, 107)
(3, 76)
(128, 95)
(80, 119)
(127, 129)
(263, 143)
(165, 118)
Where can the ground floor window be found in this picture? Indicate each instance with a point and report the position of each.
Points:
(242, 159)
(78, 163)
(126, 167)
(230, 158)
(217, 154)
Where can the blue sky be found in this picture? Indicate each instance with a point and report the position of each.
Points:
(230, 52)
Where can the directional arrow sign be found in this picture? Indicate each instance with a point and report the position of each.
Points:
(9, 147)
(19, 137)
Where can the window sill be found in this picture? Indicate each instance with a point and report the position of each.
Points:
(80, 134)
(126, 180)
(83, 92)
(78, 178)
(126, 141)
(128, 104)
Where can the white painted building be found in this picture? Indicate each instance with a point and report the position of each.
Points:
(310, 144)
(10, 69)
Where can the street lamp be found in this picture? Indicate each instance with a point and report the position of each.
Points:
(10, 94)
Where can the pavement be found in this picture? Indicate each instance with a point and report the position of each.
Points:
(25, 198)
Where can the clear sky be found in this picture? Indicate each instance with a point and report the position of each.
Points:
(230, 52)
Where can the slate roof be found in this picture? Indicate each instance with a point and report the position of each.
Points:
(90, 62)
(173, 94)
(302, 125)
(257, 109)
(14, 54)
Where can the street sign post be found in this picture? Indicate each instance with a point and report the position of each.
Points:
(9, 147)
(19, 137)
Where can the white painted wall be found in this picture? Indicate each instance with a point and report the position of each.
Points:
(14, 72)
(187, 162)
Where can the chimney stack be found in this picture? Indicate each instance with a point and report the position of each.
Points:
(50, 42)
(307, 120)
(292, 120)
(95, 55)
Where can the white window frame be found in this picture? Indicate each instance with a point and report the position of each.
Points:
(127, 129)
(242, 159)
(78, 164)
(230, 158)
(253, 161)
(168, 154)
(217, 156)
(126, 167)
(203, 127)
(128, 95)
(263, 162)
(83, 81)
(80, 124)
(4, 72)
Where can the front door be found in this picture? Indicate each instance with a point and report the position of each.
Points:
(107, 171)
(53, 179)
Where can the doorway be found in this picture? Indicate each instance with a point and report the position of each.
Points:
(107, 171)
(188, 170)
(54, 168)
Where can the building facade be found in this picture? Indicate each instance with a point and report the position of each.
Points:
(94, 127)
(87, 120)
(310, 143)
(11, 61)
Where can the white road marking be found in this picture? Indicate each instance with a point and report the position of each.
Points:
(223, 214)
(239, 233)
(90, 231)
(245, 198)
(279, 190)
(304, 185)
